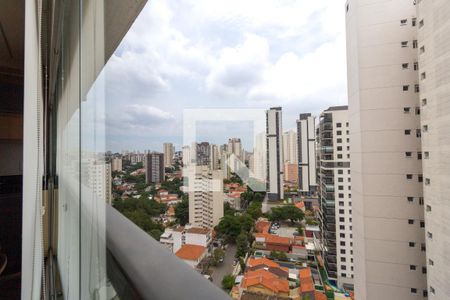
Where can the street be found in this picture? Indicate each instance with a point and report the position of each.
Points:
(224, 268)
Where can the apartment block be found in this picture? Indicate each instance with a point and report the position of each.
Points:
(154, 168)
(168, 154)
(290, 153)
(275, 189)
(214, 160)
(306, 139)
(205, 197)
(116, 164)
(385, 141)
(433, 24)
(335, 194)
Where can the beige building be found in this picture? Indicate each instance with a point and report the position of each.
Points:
(335, 194)
(205, 196)
(290, 154)
(168, 154)
(387, 197)
(291, 173)
(116, 164)
(433, 23)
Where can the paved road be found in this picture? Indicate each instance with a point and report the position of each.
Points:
(224, 268)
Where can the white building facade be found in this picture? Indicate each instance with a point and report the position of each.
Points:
(385, 137)
(306, 140)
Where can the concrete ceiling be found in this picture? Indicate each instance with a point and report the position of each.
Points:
(12, 28)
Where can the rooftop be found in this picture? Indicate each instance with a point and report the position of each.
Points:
(198, 230)
(190, 252)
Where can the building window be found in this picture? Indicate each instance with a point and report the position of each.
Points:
(423, 75)
(408, 154)
(423, 247)
(340, 179)
(424, 101)
(339, 140)
(339, 132)
(421, 23)
(427, 181)
(416, 66)
(425, 128)
(425, 293)
(404, 44)
(412, 267)
(343, 259)
(417, 110)
(413, 22)
(416, 88)
(412, 244)
(422, 50)
(413, 290)
(347, 7)
(432, 290)
(341, 195)
(338, 124)
(410, 199)
(430, 235)
(420, 178)
(339, 156)
(422, 224)
(426, 154)
(428, 209)
(407, 131)
(415, 44)
(405, 66)
(342, 227)
(430, 262)
(341, 203)
(409, 176)
(410, 221)
(403, 22)
(406, 110)
(418, 133)
(420, 200)
(419, 155)
(405, 88)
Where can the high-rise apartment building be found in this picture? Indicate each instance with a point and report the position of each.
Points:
(235, 147)
(290, 153)
(259, 165)
(387, 196)
(433, 24)
(214, 160)
(116, 164)
(168, 154)
(202, 154)
(335, 194)
(306, 141)
(99, 179)
(205, 197)
(187, 157)
(154, 167)
(275, 177)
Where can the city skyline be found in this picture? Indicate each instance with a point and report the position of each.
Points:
(225, 55)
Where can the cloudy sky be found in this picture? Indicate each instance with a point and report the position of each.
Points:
(189, 54)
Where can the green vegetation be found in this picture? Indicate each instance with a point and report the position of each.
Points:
(228, 210)
(300, 230)
(254, 209)
(218, 254)
(182, 211)
(228, 282)
(287, 212)
(311, 221)
(242, 243)
(278, 255)
(230, 226)
(173, 187)
(140, 212)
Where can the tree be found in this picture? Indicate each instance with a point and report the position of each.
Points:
(182, 212)
(228, 210)
(300, 230)
(254, 209)
(228, 282)
(242, 244)
(229, 227)
(218, 255)
(284, 213)
(278, 255)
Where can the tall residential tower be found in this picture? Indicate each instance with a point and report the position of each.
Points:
(387, 197)
(275, 177)
(306, 140)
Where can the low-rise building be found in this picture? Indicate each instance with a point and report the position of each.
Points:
(175, 238)
(192, 254)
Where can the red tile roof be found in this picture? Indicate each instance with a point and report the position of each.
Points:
(262, 226)
(190, 252)
(262, 261)
(274, 284)
(306, 281)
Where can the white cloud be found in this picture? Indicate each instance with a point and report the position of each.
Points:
(238, 68)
